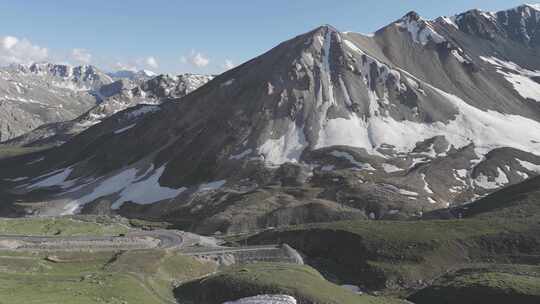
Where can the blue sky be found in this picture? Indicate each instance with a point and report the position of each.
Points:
(190, 36)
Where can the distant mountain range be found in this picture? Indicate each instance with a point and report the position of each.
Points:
(421, 115)
(48, 95)
(114, 97)
(133, 74)
(31, 95)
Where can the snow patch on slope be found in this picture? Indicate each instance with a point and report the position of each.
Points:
(421, 30)
(265, 299)
(519, 77)
(529, 166)
(450, 21)
(287, 148)
(212, 186)
(143, 110)
(486, 129)
(55, 178)
(486, 182)
(241, 154)
(389, 168)
(127, 185)
(399, 190)
(535, 6)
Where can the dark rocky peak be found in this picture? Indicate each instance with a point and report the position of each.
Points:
(82, 77)
(116, 87)
(522, 23)
(421, 31)
(412, 16)
(479, 23)
(62, 70)
(168, 86)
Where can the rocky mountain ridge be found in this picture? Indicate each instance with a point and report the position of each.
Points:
(116, 96)
(328, 125)
(38, 93)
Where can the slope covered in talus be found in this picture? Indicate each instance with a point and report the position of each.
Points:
(325, 126)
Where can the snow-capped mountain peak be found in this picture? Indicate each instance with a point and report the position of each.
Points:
(149, 73)
(133, 75)
(421, 30)
(423, 115)
(535, 6)
(116, 97)
(520, 24)
(81, 72)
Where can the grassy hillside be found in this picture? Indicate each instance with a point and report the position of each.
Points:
(517, 201)
(302, 282)
(494, 284)
(63, 226)
(399, 257)
(104, 277)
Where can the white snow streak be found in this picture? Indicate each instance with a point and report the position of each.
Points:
(122, 130)
(529, 166)
(427, 188)
(212, 186)
(389, 168)
(265, 299)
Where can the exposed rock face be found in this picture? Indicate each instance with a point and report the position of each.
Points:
(328, 125)
(31, 95)
(117, 96)
(520, 24)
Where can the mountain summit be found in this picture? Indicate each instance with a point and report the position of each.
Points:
(328, 125)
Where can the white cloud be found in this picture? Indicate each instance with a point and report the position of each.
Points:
(120, 66)
(9, 42)
(16, 50)
(200, 61)
(196, 59)
(81, 55)
(151, 62)
(228, 64)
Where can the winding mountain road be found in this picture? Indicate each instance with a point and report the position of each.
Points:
(162, 239)
(188, 243)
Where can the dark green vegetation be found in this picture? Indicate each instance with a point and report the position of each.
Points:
(489, 284)
(302, 282)
(105, 277)
(517, 201)
(402, 257)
